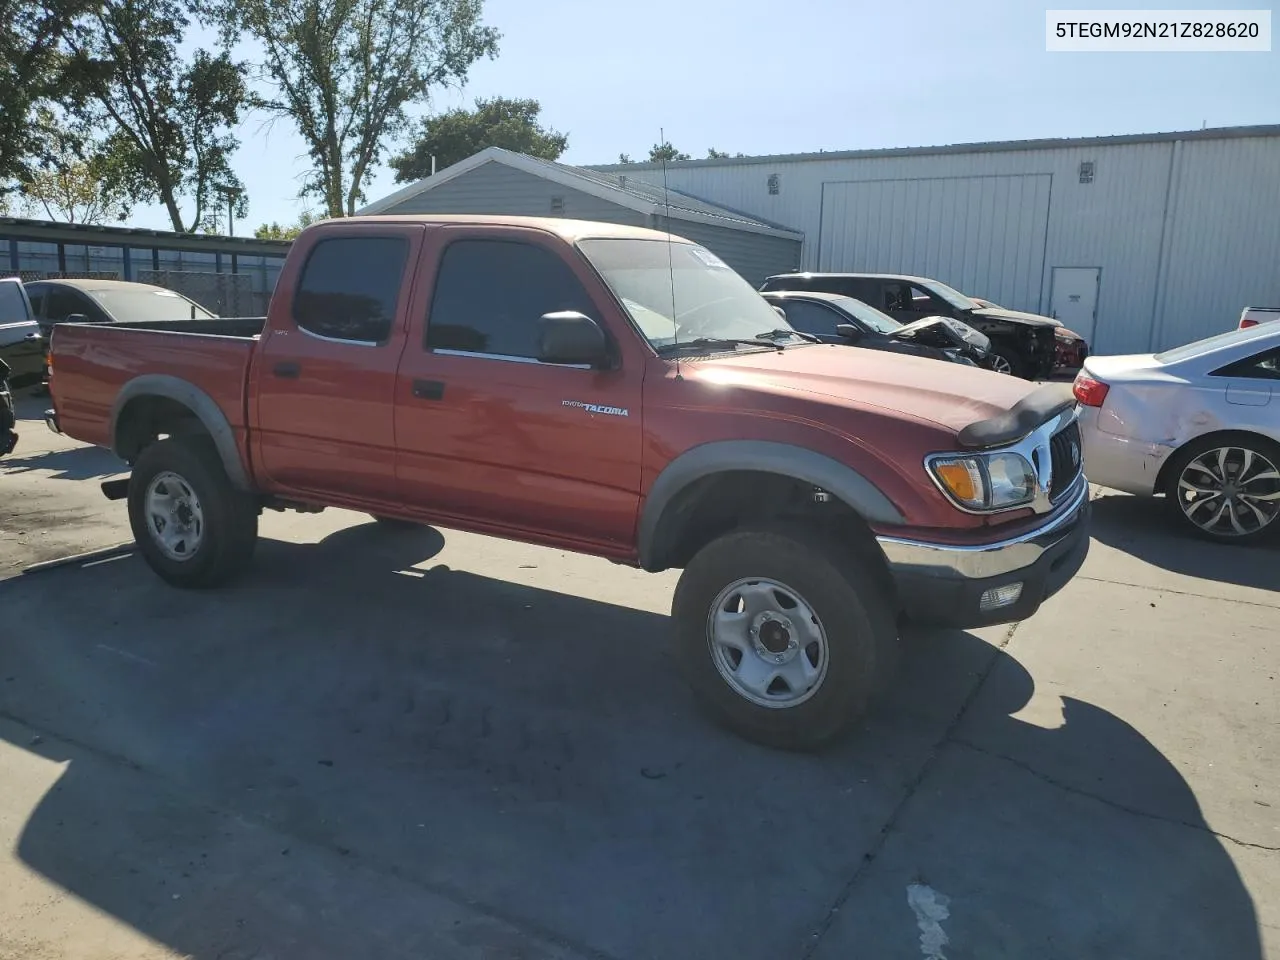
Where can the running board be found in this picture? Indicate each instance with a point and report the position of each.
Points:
(115, 489)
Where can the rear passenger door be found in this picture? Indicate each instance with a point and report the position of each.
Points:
(491, 435)
(325, 369)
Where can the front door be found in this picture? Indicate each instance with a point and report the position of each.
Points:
(326, 368)
(490, 435)
(1074, 299)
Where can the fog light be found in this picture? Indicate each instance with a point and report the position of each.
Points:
(998, 597)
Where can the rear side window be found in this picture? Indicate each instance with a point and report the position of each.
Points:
(1261, 366)
(65, 302)
(349, 288)
(489, 295)
(36, 296)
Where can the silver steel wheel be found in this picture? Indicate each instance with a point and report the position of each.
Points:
(1000, 365)
(767, 643)
(175, 518)
(1230, 491)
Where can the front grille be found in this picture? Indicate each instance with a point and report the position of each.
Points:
(1067, 459)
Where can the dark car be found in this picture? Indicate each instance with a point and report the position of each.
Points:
(837, 319)
(1022, 344)
(8, 418)
(107, 301)
(22, 347)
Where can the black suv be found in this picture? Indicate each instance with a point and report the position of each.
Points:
(1022, 344)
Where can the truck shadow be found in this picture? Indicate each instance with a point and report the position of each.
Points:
(355, 753)
(81, 463)
(1142, 527)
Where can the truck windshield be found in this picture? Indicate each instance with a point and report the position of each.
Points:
(711, 301)
(126, 305)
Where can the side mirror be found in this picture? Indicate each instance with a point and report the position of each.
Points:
(782, 313)
(569, 337)
(848, 331)
(75, 318)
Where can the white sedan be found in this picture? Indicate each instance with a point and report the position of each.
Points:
(1199, 424)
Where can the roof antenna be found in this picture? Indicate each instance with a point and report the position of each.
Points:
(671, 270)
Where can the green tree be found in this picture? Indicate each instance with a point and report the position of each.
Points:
(624, 158)
(171, 120)
(273, 230)
(714, 154)
(457, 134)
(346, 70)
(31, 35)
(665, 151)
(76, 182)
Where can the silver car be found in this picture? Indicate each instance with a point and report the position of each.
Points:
(1199, 424)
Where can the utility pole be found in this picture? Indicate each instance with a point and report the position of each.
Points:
(231, 193)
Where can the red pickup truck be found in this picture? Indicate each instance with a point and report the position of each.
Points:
(608, 390)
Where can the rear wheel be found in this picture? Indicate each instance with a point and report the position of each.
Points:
(191, 525)
(784, 635)
(1227, 489)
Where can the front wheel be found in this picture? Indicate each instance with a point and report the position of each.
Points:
(191, 525)
(1005, 361)
(784, 635)
(1227, 489)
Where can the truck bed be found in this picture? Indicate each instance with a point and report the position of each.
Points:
(93, 361)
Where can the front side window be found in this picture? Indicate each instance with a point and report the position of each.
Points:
(679, 292)
(13, 304)
(490, 294)
(349, 288)
(869, 316)
(809, 317)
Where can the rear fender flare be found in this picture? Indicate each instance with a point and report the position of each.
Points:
(203, 406)
(761, 456)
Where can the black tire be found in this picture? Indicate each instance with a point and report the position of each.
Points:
(229, 529)
(395, 523)
(1178, 463)
(847, 592)
(1016, 368)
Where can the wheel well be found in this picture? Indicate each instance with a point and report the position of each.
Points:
(1216, 436)
(144, 420)
(712, 506)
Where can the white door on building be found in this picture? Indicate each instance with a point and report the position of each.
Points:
(1074, 300)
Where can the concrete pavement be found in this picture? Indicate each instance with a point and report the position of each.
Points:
(438, 745)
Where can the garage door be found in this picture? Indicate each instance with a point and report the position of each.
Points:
(983, 235)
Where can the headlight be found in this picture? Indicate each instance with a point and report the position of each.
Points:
(992, 481)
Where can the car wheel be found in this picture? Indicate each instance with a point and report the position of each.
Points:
(1227, 488)
(191, 525)
(1006, 362)
(784, 634)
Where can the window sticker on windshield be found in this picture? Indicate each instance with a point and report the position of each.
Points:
(709, 258)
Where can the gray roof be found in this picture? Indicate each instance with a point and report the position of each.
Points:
(614, 187)
(991, 146)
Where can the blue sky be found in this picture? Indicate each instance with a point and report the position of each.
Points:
(760, 76)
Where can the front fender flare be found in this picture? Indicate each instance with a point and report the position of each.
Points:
(761, 456)
(199, 403)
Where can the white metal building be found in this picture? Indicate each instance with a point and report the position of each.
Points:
(497, 181)
(1136, 242)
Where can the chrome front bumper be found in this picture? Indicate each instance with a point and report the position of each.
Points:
(920, 558)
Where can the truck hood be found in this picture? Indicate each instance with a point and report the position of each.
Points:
(999, 313)
(949, 395)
